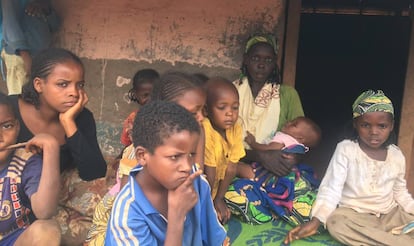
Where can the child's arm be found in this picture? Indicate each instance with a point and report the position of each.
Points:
(45, 200)
(222, 210)
(199, 158)
(210, 175)
(251, 140)
(308, 229)
(180, 202)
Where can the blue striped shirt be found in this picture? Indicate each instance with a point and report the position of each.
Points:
(134, 221)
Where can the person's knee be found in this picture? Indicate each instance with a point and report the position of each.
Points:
(45, 232)
(335, 224)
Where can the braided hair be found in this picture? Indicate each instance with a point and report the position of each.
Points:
(172, 85)
(142, 76)
(42, 66)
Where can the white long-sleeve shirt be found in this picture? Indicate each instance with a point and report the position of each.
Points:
(356, 181)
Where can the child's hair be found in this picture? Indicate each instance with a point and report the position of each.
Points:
(211, 85)
(42, 66)
(315, 128)
(159, 120)
(142, 76)
(253, 41)
(201, 79)
(6, 101)
(172, 85)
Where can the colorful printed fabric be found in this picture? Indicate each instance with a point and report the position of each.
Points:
(97, 232)
(18, 181)
(262, 38)
(127, 127)
(371, 101)
(257, 115)
(263, 200)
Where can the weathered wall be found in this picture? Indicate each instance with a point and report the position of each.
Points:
(115, 38)
(406, 135)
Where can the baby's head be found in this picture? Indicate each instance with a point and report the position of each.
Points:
(304, 130)
(142, 85)
(182, 89)
(222, 103)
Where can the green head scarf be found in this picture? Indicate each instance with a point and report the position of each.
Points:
(262, 38)
(371, 101)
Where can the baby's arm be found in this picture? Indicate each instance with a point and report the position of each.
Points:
(44, 201)
(180, 202)
(251, 140)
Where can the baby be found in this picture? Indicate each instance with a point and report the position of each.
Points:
(296, 136)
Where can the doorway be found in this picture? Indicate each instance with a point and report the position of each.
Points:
(339, 56)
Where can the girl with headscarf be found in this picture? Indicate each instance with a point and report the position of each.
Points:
(363, 198)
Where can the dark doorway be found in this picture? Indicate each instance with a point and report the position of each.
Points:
(339, 56)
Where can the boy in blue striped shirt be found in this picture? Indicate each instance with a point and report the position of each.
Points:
(166, 201)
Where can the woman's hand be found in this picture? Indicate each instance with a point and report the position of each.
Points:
(275, 161)
(67, 119)
(308, 229)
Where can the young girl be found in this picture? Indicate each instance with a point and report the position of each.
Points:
(53, 101)
(175, 87)
(363, 195)
(224, 143)
(142, 85)
(29, 184)
(184, 90)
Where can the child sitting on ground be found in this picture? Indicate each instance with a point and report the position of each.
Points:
(142, 85)
(166, 201)
(176, 87)
(301, 131)
(224, 144)
(29, 185)
(363, 198)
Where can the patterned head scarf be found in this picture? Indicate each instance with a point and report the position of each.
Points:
(262, 38)
(371, 101)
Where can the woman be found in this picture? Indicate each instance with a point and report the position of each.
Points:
(265, 104)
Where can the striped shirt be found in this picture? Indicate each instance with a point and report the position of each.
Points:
(134, 221)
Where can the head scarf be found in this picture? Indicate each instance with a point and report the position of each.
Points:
(262, 38)
(371, 101)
